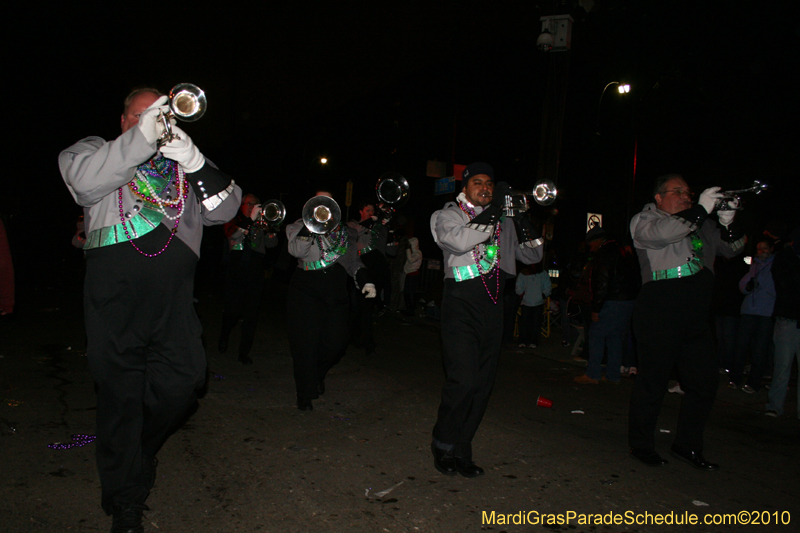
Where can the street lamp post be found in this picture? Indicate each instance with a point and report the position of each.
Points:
(623, 89)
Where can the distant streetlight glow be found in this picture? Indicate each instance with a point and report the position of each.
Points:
(624, 88)
(323, 160)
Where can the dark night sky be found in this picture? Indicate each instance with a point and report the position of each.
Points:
(387, 88)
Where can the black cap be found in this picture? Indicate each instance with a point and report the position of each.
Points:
(595, 233)
(474, 169)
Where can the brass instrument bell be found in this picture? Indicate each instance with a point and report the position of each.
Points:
(187, 102)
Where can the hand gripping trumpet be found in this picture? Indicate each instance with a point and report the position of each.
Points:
(187, 102)
(733, 197)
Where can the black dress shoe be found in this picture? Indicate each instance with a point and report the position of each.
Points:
(245, 360)
(304, 404)
(128, 518)
(648, 457)
(693, 458)
(467, 468)
(444, 461)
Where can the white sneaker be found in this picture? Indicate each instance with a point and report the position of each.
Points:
(632, 371)
(676, 389)
(532, 346)
(624, 370)
(521, 345)
(748, 389)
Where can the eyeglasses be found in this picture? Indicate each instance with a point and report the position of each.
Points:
(679, 192)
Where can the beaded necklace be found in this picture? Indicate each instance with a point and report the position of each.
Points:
(487, 258)
(332, 246)
(154, 179)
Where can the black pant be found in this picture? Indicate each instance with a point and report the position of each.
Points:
(363, 308)
(530, 324)
(410, 292)
(244, 283)
(145, 355)
(670, 322)
(472, 333)
(317, 324)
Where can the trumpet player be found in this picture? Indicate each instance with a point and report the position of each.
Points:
(145, 208)
(480, 250)
(676, 241)
(318, 302)
(248, 238)
(372, 235)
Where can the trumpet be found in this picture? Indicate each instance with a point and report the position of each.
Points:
(729, 197)
(272, 214)
(187, 102)
(321, 214)
(517, 203)
(392, 190)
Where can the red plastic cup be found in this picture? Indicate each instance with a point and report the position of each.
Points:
(544, 402)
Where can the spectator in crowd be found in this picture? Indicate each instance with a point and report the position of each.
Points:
(755, 321)
(614, 286)
(533, 284)
(786, 276)
(411, 269)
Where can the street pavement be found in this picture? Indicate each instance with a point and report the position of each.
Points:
(248, 460)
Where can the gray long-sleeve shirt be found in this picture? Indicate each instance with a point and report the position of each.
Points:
(94, 170)
(457, 241)
(306, 250)
(663, 241)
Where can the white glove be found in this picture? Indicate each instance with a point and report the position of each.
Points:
(369, 290)
(726, 217)
(183, 151)
(149, 124)
(708, 198)
(255, 212)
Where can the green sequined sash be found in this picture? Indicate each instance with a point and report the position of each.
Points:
(146, 221)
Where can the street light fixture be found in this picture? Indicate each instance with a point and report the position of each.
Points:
(622, 88)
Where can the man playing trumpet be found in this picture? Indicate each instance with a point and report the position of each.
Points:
(248, 238)
(372, 235)
(676, 242)
(145, 208)
(480, 249)
(317, 301)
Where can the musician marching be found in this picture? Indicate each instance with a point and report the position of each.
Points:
(249, 235)
(327, 253)
(480, 247)
(146, 196)
(676, 241)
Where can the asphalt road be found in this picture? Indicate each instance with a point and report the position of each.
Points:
(248, 460)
